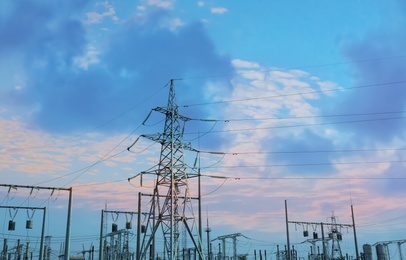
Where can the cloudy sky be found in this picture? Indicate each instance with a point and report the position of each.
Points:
(298, 101)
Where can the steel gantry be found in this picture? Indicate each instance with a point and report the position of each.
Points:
(68, 221)
(222, 256)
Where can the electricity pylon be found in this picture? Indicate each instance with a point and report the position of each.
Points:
(171, 203)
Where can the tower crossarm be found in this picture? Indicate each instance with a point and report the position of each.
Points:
(168, 110)
(163, 139)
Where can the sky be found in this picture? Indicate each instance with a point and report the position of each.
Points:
(296, 101)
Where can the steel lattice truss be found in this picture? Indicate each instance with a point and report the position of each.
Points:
(171, 202)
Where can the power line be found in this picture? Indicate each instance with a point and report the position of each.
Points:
(296, 117)
(309, 151)
(242, 178)
(98, 126)
(82, 169)
(300, 164)
(302, 125)
(296, 67)
(296, 94)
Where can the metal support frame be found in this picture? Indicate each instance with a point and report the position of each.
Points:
(223, 243)
(68, 221)
(103, 212)
(41, 249)
(322, 230)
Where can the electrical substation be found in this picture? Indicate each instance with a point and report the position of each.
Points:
(166, 223)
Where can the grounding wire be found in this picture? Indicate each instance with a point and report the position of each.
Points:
(296, 94)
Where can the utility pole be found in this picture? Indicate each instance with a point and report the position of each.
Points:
(171, 200)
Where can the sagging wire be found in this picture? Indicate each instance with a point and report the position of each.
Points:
(205, 133)
(143, 150)
(146, 119)
(219, 187)
(7, 197)
(12, 216)
(84, 168)
(126, 217)
(102, 159)
(30, 195)
(50, 197)
(219, 161)
(52, 193)
(32, 189)
(116, 218)
(29, 217)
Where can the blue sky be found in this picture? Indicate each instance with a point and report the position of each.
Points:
(306, 101)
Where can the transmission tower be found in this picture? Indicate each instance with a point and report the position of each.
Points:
(171, 203)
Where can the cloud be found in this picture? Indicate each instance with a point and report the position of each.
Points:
(96, 17)
(381, 67)
(285, 134)
(72, 84)
(173, 23)
(218, 10)
(244, 64)
(161, 3)
(141, 8)
(53, 29)
(266, 113)
(90, 57)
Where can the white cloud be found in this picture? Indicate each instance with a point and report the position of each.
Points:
(200, 3)
(90, 57)
(329, 87)
(244, 64)
(18, 88)
(173, 24)
(161, 3)
(252, 85)
(96, 17)
(218, 10)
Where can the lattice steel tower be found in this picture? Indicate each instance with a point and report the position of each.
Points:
(171, 203)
